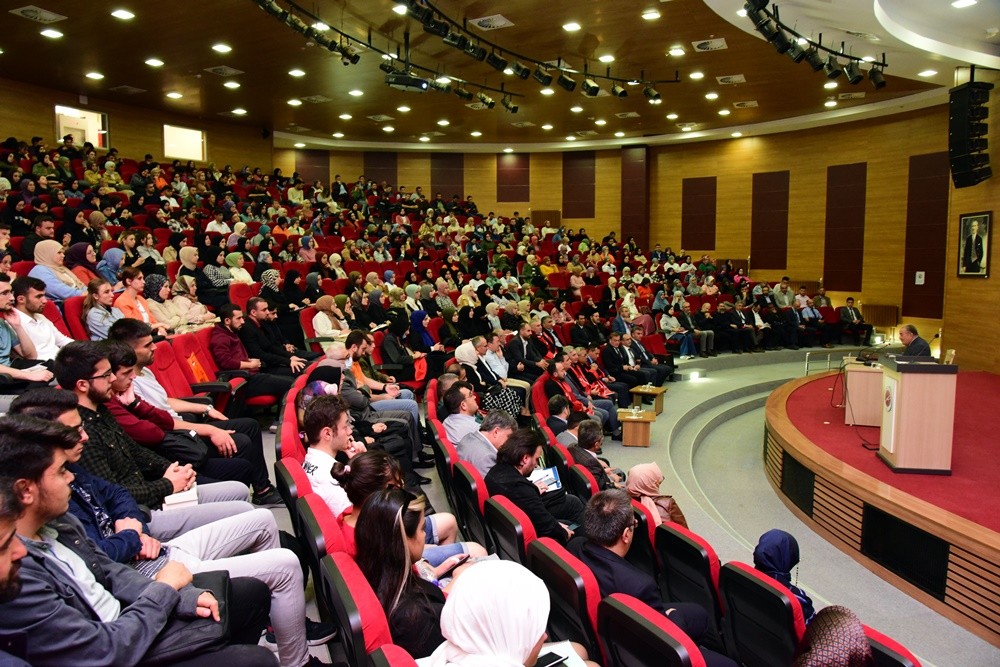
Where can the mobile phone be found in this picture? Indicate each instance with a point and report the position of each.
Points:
(461, 561)
(550, 659)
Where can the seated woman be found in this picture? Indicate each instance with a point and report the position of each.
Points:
(422, 342)
(835, 638)
(671, 326)
(81, 259)
(376, 311)
(776, 553)
(185, 300)
(307, 249)
(176, 241)
(313, 291)
(395, 353)
(98, 312)
(326, 323)
(234, 262)
(494, 390)
(208, 293)
(60, 282)
(264, 263)
(110, 265)
(133, 304)
(153, 262)
(643, 484)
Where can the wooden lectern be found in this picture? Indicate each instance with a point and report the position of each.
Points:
(862, 394)
(918, 414)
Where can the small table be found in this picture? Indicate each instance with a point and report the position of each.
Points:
(635, 427)
(648, 390)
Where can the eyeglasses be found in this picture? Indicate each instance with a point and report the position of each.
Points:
(102, 376)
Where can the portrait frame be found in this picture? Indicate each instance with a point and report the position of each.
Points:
(974, 255)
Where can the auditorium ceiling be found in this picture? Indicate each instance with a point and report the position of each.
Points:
(722, 78)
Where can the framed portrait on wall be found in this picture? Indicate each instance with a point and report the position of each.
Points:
(974, 244)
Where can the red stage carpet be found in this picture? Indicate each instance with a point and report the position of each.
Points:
(971, 491)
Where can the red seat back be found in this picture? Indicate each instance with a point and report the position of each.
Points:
(633, 633)
(689, 572)
(539, 401)
(73, 310)
(357, 611)
(510, 527)
(55, 316)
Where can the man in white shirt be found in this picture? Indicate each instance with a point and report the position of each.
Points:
(29, 304)
(327, 426)
(218, 225)
(480, 447)
(462, 406)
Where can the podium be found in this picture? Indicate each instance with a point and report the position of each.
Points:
(918, 415)
(862, 394)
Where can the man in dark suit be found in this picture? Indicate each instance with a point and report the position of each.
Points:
(516, 459)
(524, 357)
(814, 324)
(260, 343)
(851, 319)
(580, 334)
(584, 452)
(610, 526)
(598, 330)
(972, 250)
(558, 414)
(647, 362)
(616, 362)
(915, 345)
(730, 319)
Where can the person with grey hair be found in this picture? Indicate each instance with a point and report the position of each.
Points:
(480, 447)
(584, 452)
(915, 345)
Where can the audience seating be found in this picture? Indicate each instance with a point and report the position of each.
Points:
(320, 535)
(54, 315)
(641, 554)
(470, 492)
(581, 483)
(240, 293)
(510, 528)
(556, 454)
(291, 483)
(73, 312)
(764, 621)
(445, 456)
(197, 361)
(633, 634)
(357, 612)
(539, 401)
(391, 655)
(888, 652)
(312, 341)
(168, 372)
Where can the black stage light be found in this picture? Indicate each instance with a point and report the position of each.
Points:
(509, 105)
(756, 5)
(476, 51)
(590, 88)
(651, 95)
(486, 99)
(458, 40)
(422, 14)
(496, 62)
(435, 27)
(386, 67)
(520, 70)
(619, 91)
(566, 82)
(542, 77)
(875, 76)
(832, 68)
(853, 72)
(781, 41)
(350, 56)
(796, 53)
(814, 58)
(463, 93)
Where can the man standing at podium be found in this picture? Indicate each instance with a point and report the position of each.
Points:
(915, 345)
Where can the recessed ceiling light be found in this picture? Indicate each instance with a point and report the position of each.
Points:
(651, 15)
(576, 109)
(51, 34)
(600, 121)
(296, 72)
(571, 27)
(355, 93)
(676, 51)
(443, 80)
(686, 128)
(123, 14)
(346, 116)
(697, 75)
(319, 25)
(154, 62)
(425, 139)
(508, 150)
(399, 9)
(402, 109)
(388, 128)
(736, 134)
(476, 133)
(546, 127)
(868, 59)
(671, 116)
(97, 76)
(607, 58)
(222, 48)
(830, 103)
(742, 13)
(619, 134)
(571, 138)
(962, 4)
(927, 72)
(711, 96)
(232, 85)
(174, 95)
(300, 145)
(830, 85)
(338, 135)
(239, 111)
(724, 112)
(547, 91)
(443, 122)
(294, 103)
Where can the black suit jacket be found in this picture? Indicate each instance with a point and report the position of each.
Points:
(614, 360)
(918, 347)
(555, 424)
(260, 345)
(515, 354)
(503, 479)
(614, 574)
(580, 336)
(588, 461)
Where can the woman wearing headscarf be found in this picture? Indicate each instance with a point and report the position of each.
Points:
(60, 282)
(412, 302)
(208, 293)
(264, 262)
(176, 241)
(359, 306)
(494, 390)
(468, 297)
(307, 249)
(469, 325)
(643, 484)
(234, 262)
(372, 282)
(835, 638)
(448, 334)
(336, 266)
(238, 232)
(376, 311)
(660, 302)
(243, 247)
(81, 259)
(262, 233)
(776, 554)
(493, 318)
(157, 293)
(342, 313)
(185, 300)
(111, 264)
(313, 290)
(427, 300)
(326, 323)
(693, 288)
(215, 269)
(286, 299)
(443, 297)
(395, 352)
(77, 225)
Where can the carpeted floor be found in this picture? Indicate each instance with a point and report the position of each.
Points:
(970, 491)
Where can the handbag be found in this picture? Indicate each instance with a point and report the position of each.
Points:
(185, 447)
(184, 638)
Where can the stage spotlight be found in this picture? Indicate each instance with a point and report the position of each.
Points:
(651, 95)
(853, 72)
(435, 27)
(440, 87)
(496, 62)
(832, 68)
(476, 51)
(814, 59)
(590, 88)
(272, 8)
(619, 91)
(458, 40)
(350, 56)
(486, 99)
(422, 14)
(509, 105)
(757, 17)
(768, 30)
(756, 5)
(387, 67)
(796, 53)
(875, 76)
(520, 70)
(566, 82)
(463, 93)
(781, 41)
(542, 77)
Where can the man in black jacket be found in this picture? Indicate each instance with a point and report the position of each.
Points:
(516, 459)
(263, 342)
(616, 362)
(584, 452)
(580, 335)
(524, 357)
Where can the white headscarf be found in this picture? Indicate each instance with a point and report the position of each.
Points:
(494, 616)
(466, 354)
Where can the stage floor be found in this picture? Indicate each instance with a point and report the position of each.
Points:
(971, 491)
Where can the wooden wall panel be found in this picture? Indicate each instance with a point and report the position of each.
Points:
(447, 175)
(769, 220)
(349, 164)
(546, 183)
(413, 169)
(698, 212)
(607, 196)
(513, 177)
(381, 167)
(579, 182)
(926, 234)
(635, 166)
(843, 258)
(312, 165)
(481, 182)
(284, 159)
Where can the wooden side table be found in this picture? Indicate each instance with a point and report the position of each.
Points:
(635, 427)
(648, 390)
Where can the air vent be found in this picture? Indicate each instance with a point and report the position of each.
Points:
(731, 79)
(477, 106)
(586, 133)
(746, 104)
(434, 133)
(494, 22)
(851, 96)
(523, 123)
(380, 118)
(627, 114)
(223, 70)
(38, 15)
(683, 125)
(867, 36)
(127, 90)
(710, 45)
(316, 99)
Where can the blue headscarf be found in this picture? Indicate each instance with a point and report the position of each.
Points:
(417, 325)
(389, 276)
(111, 264)
(776, 554)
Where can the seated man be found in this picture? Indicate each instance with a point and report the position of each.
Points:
(813, 321)
(609, 524)
(558, 414)
(526, 360)
(851, 319)
(245, 545)
(25, 372)
(77, 606)
(29, 304)
(586, 363)
(558, 382)
(229, 354)
(649, 365)
(618, 364)
(516, 459)
(327, 427)
(915, 345)
(571, 435)
(584, 452)
(480, 447)
(461, 407)
(263, 341)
